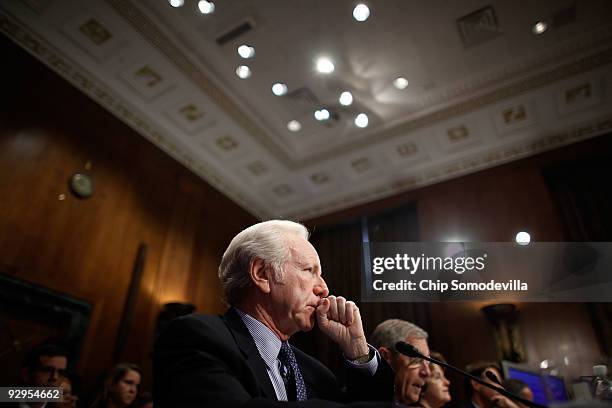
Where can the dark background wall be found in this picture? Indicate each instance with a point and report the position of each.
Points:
(561, 195)
(88, 248)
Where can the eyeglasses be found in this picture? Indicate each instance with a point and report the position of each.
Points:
(416, 362)
(51, 370)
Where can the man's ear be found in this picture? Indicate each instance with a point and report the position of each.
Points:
(475, 385)
(259, 273)
(386, 354)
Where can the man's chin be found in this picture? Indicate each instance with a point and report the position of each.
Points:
(308, 325)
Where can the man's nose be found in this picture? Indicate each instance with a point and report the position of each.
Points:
(321, 289)
(425, 370)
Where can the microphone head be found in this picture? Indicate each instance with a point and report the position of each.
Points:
(491, 376)
(407, 349)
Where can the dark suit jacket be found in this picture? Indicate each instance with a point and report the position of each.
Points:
(201, 361)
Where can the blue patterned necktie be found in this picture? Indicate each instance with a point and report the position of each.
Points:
(291, 374)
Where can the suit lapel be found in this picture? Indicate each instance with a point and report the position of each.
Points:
(247, 346)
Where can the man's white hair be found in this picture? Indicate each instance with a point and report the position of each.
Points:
(391, 331)
(266, 241)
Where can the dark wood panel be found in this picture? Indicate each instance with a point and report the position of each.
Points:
(87, 248)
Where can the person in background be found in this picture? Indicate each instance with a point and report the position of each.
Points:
(410, 373)
(45, 365)
(518, 387)
(69, 396)
(436, 392)
(120, 388)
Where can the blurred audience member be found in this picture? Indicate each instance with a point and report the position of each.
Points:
(44, 366)
(69, 396)
(120, 387)
(518, 387)
(436, 392)
(410, 373)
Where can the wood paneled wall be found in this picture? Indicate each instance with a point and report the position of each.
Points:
(87, 248)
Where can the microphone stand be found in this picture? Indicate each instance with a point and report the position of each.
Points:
(411, 351)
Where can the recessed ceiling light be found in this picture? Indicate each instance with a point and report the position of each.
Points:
(361, 12)
(361, 120)
(206, 7)
(400, 83)
(523, 238)
(176, 3)
(294, 126)
(346, 98)
(246, 51)
(279, 89)
(325, 65)
(539, 27)
(321, 115)
(243, 72)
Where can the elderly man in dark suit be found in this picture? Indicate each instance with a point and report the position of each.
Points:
(272, 279)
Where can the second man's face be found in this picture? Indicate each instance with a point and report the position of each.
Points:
(410, 373)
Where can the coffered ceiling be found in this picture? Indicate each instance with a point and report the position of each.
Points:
(483, 89)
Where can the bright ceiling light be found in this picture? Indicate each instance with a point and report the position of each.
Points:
(523, 238)
(361, 12)
(346, 98)
(246, 51)
(279, 89)
(294, 126)
(321, 115)
(361, 120)
(400, 83)
(325, 65)
(243, 72)
(206, 7)
(539, 27)
(176, 3)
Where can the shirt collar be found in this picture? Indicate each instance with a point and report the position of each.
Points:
(266, 341)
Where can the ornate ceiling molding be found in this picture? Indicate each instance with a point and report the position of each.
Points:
(147, 28)
(603, 37)
(463, 167)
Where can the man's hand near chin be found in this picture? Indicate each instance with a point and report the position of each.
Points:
(340, 320)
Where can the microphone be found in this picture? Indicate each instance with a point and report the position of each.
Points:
(407, 349)
(411, 351)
